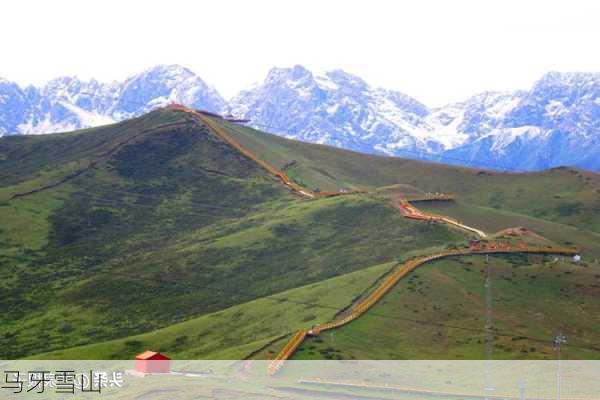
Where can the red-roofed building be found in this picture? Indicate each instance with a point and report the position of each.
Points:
(152, 362)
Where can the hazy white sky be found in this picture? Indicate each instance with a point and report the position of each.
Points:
(435, 51)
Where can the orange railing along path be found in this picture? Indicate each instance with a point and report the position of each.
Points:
(364, 305)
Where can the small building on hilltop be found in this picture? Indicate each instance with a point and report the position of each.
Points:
(152, 362)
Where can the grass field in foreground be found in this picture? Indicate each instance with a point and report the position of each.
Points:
(438, 312)
(238, 331)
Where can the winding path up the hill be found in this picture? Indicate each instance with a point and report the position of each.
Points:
(282, 176)
(364, 305)
(407, 209)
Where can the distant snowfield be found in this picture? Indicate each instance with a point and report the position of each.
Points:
(44, 126)
(66, 103)
(556, 122)
(88, 118)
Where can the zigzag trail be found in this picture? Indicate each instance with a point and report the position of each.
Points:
(407, 209)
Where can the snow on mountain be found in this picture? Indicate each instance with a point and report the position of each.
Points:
(162, 85)
(67, 103)
(342, 110)
(336, 108)
(556, 122)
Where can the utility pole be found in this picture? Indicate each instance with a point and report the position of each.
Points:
(489, 334)
(522, 387)
(558, 342)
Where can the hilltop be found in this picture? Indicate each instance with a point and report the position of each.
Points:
(157, 223)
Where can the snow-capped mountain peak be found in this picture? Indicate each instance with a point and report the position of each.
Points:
(556, 122)
(68, 103)
(335, 108)
(164, 84)
(520, 129)
(345, 80)
(294, 75)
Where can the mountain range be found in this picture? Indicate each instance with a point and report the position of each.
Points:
(556, 122)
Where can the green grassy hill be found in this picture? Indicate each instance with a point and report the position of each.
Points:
(563, 195)
(439, 312)
(155, 233)
(132, 228)
(238, 331)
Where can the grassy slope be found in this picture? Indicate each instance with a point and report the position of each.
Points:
(235, 332)
(148, 210)
(560, 204)
(30, 160)
(533, 298)
(562, 194)
(112, 210)
(492, 220)
(525, 292)
(172, 225)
